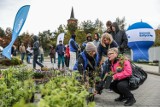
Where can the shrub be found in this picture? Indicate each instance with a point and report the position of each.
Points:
(12, 62)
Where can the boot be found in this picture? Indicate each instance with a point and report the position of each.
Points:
(63, 70)
(58, 67)
(130, 101)
(121, 98)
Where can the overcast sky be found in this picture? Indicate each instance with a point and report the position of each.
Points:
(49, 14)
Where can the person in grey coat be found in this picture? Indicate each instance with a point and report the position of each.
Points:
(36, 52)
(120, 37)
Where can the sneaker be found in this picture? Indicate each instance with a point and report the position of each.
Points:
(110, 91)
(44, 69)
(120, 99)
(130, 102)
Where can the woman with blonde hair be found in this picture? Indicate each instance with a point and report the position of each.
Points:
(121, 69)
(106, 43)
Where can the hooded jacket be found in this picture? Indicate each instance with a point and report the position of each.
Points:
(119, 36)
(85, 42)
(35, 45)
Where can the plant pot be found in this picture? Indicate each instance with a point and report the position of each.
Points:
(32, 98)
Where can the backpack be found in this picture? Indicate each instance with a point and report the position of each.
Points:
(138, 77)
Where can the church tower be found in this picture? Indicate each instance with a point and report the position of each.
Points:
(72, 20)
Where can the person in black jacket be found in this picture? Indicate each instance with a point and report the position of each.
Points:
(105, 43)
(13, 50)
(120, 37)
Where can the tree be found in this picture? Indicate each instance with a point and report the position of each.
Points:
(157, 43)
(25, 38)
(67, 37)
(121, 23)
(72, 27)
(88, 26)
(98, 26)
(158, 27)
(45, 39)
(7, 37)
(8, 31)
(61, 29)
(2, 33)
(80, 36)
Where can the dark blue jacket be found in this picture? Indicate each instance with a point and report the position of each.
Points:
(60, 49)
(102, 51)
(85, 61)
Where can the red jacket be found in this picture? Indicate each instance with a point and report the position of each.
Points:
(67, 52)
(126, 72)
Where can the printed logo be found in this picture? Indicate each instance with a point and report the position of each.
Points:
(145, 34)
(19, 25)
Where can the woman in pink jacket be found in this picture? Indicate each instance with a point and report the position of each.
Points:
(122, 71)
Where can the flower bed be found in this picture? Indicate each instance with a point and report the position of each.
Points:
(18, 88)
(5, 63)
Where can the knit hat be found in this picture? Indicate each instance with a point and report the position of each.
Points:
(90, 47)
(89, 35)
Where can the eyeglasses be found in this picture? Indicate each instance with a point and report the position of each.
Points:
(110, 54)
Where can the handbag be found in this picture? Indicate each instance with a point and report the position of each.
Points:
(138, 77)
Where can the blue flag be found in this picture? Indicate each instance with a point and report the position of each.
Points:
(18, 24)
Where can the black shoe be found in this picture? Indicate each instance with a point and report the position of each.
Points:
(130, 102)
(120, 99)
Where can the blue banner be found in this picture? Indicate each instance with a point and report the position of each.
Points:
(18, 24)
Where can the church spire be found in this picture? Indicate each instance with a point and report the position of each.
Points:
(72, 18)
(72, 14)
(72, 23)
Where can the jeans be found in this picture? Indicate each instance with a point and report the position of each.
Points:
(28, 58)
(35, 58)
(42, 58)
(22, 56)
(60, 59)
